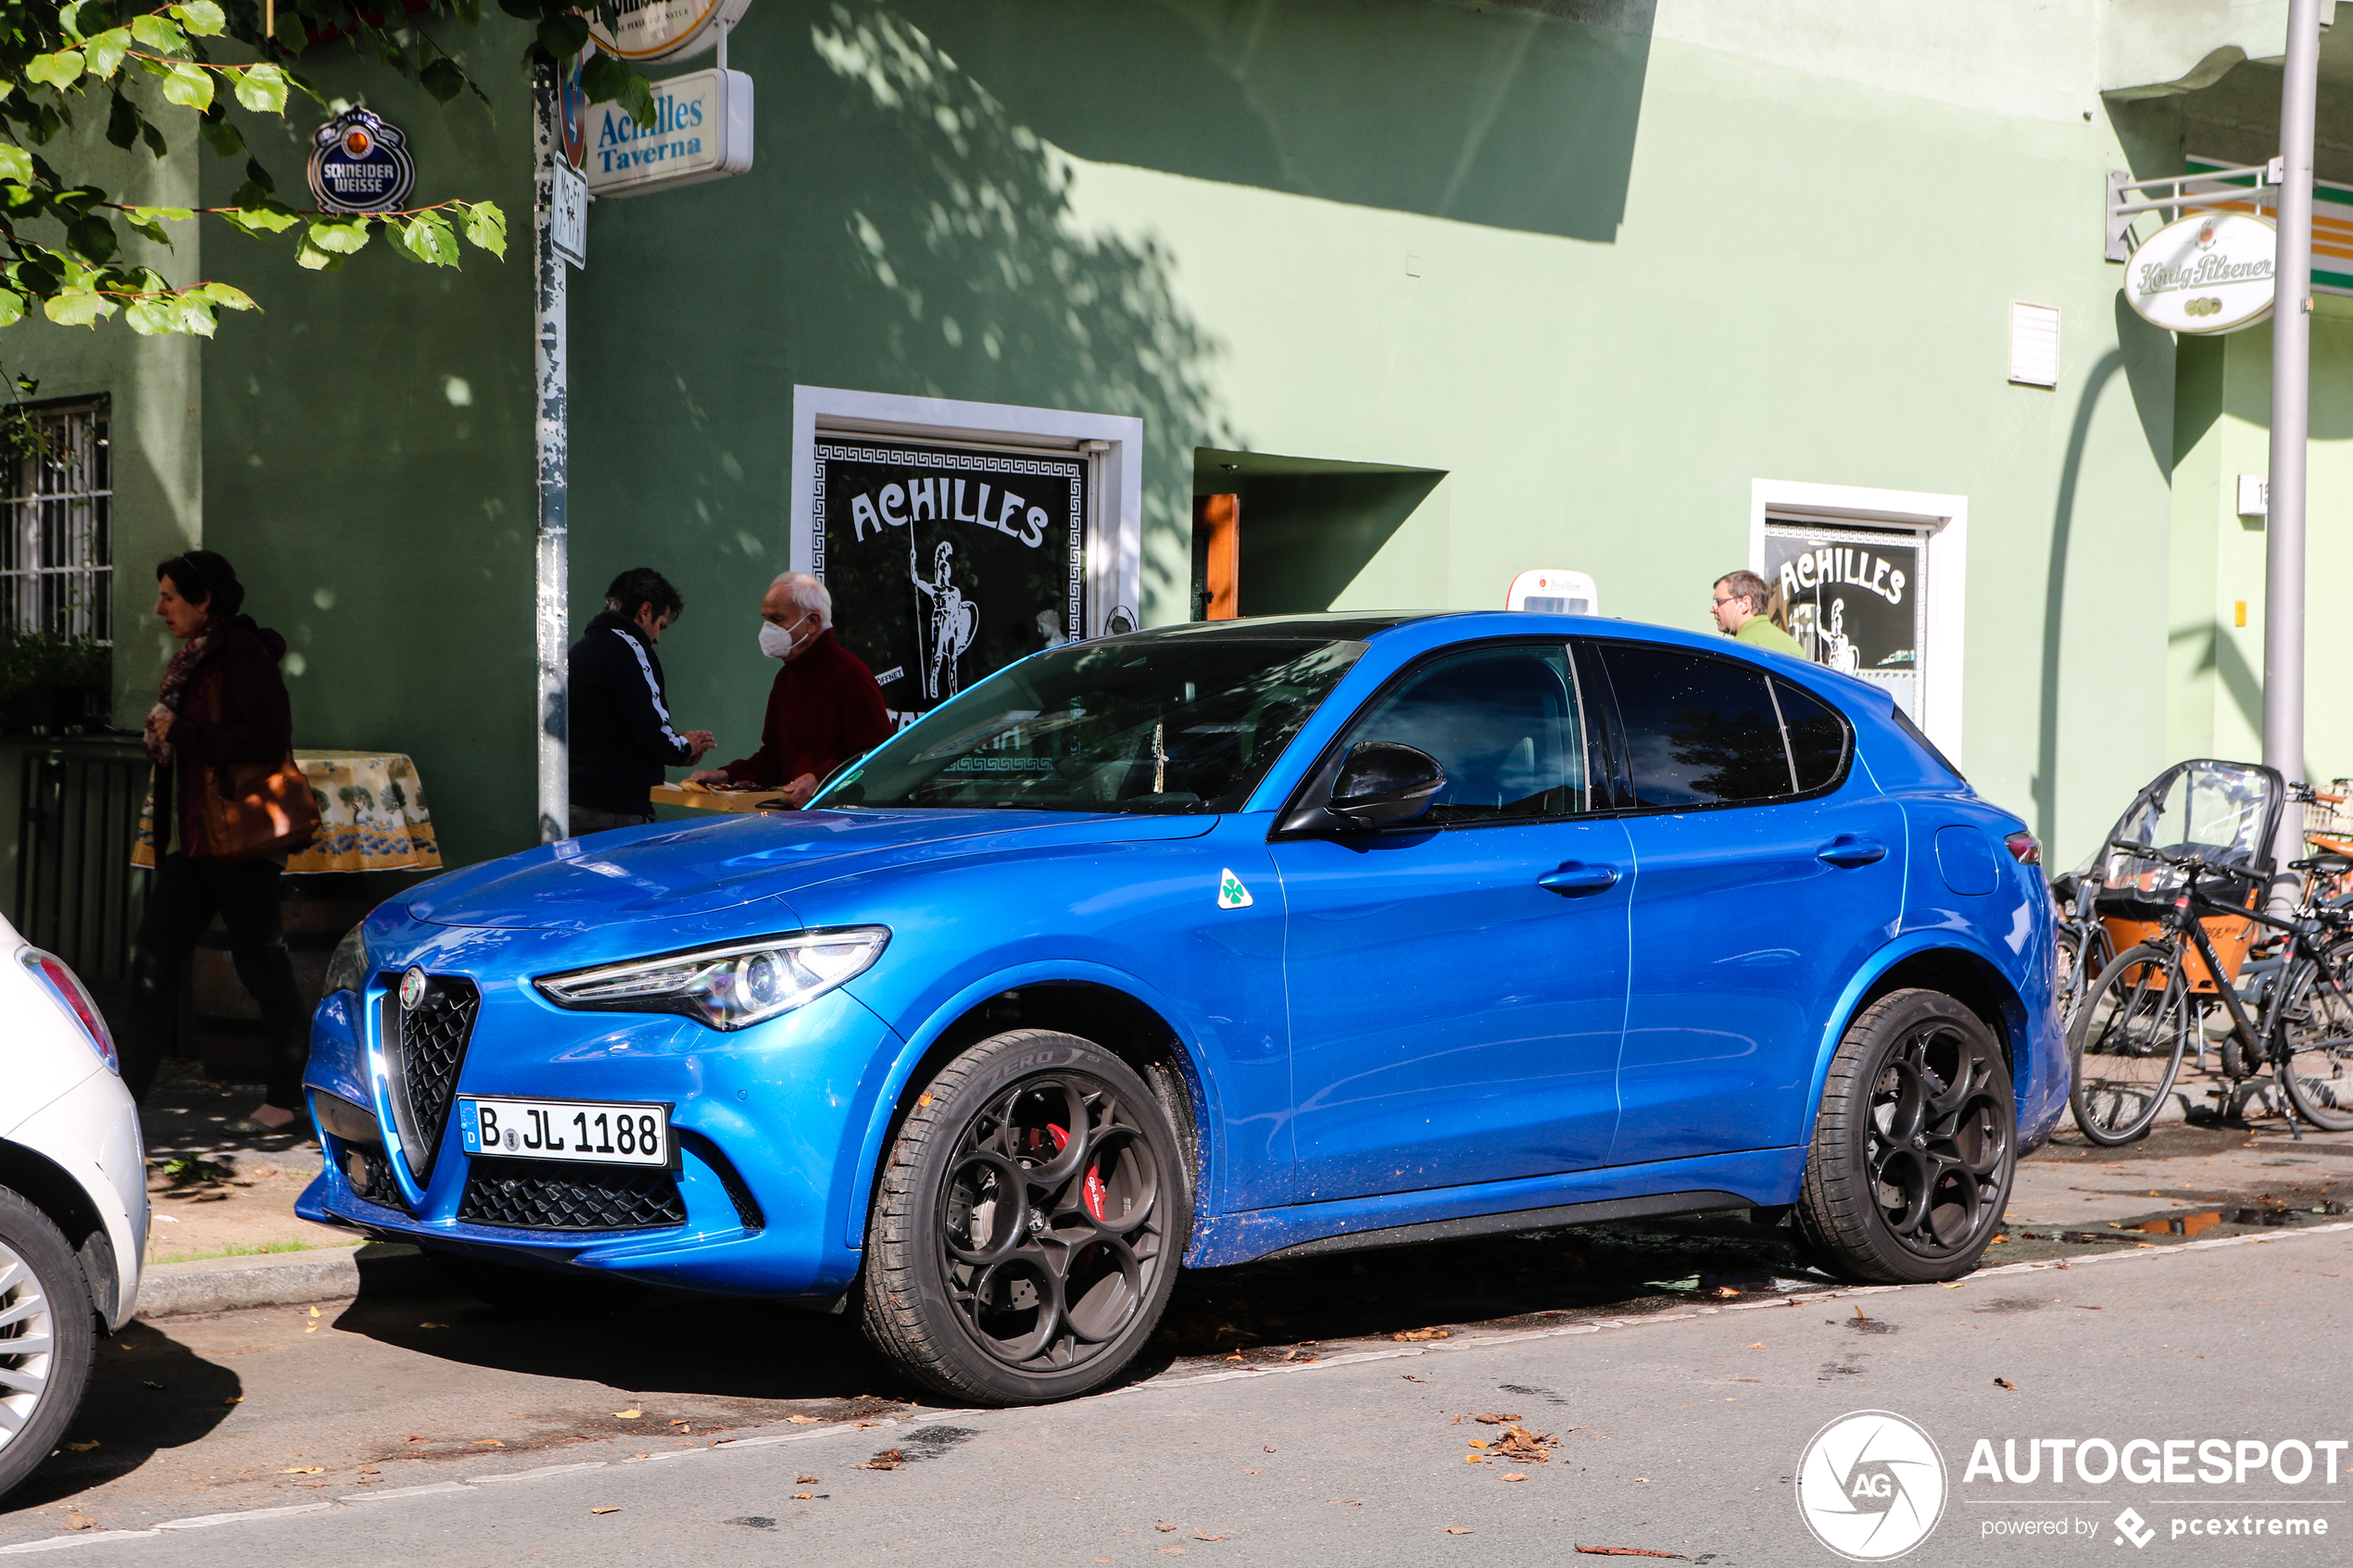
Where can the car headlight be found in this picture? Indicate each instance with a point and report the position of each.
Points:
(730, 986)
(347, 970)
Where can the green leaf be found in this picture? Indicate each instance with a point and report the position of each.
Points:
(15, 164)
(228, 298)
(344, 236)
(168, 214)
(159, 35)
(188, 86)
(77, 307)
(291, 36)
(92, 237)
(258, 221)
(148, 229)
(260, 88)
(11, 307)
(60, 70)
(607, 81)
(103, 55)
(318, 260)
(258, 177)
(486, 228)
(444, 79)
(202, 18)
(152, 135)
(157, 313)
(69, 21)
(427, 238)
(122, 121)
(524, 10)
(562, 35)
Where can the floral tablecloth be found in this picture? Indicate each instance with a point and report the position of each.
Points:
(372, 811)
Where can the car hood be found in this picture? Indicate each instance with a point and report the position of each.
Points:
(673, 871)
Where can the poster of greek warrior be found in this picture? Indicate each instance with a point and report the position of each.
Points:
(947, 564)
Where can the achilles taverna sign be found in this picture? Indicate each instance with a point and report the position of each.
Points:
(701, 131)
(2208, 274)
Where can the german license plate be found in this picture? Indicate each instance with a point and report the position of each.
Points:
(598, 1131)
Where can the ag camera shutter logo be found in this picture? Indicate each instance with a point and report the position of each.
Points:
(1871, 1486)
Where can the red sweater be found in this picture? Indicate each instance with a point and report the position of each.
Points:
(824, 710)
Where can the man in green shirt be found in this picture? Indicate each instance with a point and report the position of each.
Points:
(1741, 598)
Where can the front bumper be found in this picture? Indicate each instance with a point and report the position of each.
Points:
(768, 1123)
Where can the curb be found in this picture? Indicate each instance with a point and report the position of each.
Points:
(283, 1279)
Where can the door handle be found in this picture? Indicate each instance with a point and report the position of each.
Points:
(1850, 852)
(1576, 879)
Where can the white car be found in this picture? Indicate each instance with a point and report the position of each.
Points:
(73, 1200)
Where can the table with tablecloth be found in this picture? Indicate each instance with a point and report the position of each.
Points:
(371, 816)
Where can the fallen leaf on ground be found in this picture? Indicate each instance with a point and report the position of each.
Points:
(1495, 1418)
(1757, 1345)
(803, 1496)
(2006, 1383)
(304, 1470)
(310, 1328)
(1475, 1442)
(370, 1470)
(1163, 1526)
(83, 1447)
(314, 1311)
(1265, 1447)
(234, 1399)
(1514, 1476)
(1947, 1283)
(889, 1459)
(1726, 1290)
(1250, 1472)
(1457, 1530)
(1423, 1333)
(1411, 1378)
(81, 1521)
(680, 1424)
(1642, 1478)
(613, 1509)
(806, 1480)
(1205, 1535)
(1628, 1551)
(1474, 1459)
(487, 1443)
(795, 1420)
(632, 1415)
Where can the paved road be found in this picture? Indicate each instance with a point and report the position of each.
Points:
(1667, 1362)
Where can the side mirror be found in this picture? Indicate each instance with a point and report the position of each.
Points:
(1381, 783)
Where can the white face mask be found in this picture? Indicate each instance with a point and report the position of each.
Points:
(774, 640)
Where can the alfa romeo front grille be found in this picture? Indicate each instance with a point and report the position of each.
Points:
(425, 1046)
(376, 1184)
(547, 1194)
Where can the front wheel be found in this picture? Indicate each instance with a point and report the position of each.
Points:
(1028, 1224)
(2317, 1066)
(1915, 1146)
(47, 1338)
(2126, 1043)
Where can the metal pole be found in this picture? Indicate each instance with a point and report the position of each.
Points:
(552, 571)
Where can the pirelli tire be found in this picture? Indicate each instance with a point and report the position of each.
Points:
(1915, 1146)
(1027, 1222)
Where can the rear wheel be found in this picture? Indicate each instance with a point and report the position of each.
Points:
(1028, 1224)
(2317, 1069)
(47, 1338)
(1915, 1145)
(2126, 1043)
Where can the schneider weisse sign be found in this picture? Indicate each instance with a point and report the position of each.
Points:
(946, 564)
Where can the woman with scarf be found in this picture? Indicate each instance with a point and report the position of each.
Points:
(223, 703)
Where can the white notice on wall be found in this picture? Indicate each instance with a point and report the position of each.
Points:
(701, 131)
(2035, 344)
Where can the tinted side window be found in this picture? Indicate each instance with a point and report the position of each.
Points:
(1816, 736)
(1504, 724)
(1698, 731)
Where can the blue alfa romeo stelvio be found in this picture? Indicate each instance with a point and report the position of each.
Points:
(1214, 942)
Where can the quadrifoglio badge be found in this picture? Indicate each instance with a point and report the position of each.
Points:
(1871, 1485)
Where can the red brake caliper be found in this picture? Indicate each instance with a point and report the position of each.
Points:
(1092, 1192)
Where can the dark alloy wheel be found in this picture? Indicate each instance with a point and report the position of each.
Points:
(1915, 1146)
(1028, 1227)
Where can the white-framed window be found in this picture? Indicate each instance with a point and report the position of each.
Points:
(1872, 582)
(57, 523)
(957, 537)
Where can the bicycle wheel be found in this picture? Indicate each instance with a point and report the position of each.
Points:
(2079, 965)
(2126, 1044)
(2315, 1064)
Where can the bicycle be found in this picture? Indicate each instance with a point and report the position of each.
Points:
(2085, 946)
(2126, 1043)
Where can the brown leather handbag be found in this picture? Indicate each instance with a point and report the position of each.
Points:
(256, 808)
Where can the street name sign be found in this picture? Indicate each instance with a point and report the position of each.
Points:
(2209, 273)
(701, 131)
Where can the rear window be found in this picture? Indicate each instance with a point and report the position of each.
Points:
(1698, 731)
(1904, 722)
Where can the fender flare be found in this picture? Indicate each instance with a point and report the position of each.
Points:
(917, 1043)
(1910, 946)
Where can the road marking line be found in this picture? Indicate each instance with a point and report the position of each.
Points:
(402, 1492)
(206, 1521)
(533, 1474)
(54, 1542)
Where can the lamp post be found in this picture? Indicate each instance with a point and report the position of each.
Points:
(2291, 418)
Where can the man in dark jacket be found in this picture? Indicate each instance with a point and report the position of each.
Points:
(622, 737)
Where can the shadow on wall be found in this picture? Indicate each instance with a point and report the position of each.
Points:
(962, 218)
(1307, 528)
(1515, 116)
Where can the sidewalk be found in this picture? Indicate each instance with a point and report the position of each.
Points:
(220, 1194)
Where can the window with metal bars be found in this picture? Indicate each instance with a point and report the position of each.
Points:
(56, 523)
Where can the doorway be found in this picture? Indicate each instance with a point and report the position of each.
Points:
(1282, 535)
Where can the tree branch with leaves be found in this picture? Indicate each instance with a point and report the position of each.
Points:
(56, 60)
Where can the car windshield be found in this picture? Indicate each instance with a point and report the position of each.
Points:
(1148, 724)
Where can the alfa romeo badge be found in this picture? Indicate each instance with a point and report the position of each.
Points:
(360, 162)
(412, 989)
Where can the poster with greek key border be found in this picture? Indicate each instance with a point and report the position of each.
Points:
(948, 563)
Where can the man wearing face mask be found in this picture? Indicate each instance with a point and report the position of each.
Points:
(824, 708)
(622, 736)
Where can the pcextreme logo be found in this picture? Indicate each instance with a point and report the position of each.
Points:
(1871, 1486)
